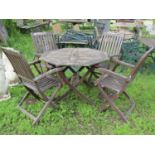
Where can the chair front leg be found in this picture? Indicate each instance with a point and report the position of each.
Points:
(24, 98)
(47, 104)
(132, 102)
(112, 104)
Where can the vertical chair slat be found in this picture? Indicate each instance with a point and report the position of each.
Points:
(20, 65)
(113, 46)
(115, 50)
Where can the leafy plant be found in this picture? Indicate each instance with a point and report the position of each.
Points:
(10, 25)
(132, 50)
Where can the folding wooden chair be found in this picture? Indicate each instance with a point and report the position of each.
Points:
(44, 42)
(111, 44)
(35, 86)
(110, 80)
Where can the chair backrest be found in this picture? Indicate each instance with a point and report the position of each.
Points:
(19, 64)
(44, 41)
(140, 62)
(111, 43)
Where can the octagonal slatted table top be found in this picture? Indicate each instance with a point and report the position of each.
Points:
(74, 57)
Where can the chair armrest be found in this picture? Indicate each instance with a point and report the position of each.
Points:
(55, 70)
(34, 62)
(23, 78)
(105, 72)
(122, 63)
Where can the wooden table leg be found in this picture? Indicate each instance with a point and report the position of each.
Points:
(73, 87)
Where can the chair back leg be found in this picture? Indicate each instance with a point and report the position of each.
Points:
(132, 102)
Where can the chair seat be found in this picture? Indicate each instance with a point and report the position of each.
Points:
(43, 83)
(112, 83)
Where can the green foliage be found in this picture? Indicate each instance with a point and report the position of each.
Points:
(132, 50)
(86, 26)
(54, 21)
(66, 26)
(23, 43)
(10, 25)
(145, 33)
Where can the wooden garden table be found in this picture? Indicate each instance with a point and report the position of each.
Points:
(70, 57)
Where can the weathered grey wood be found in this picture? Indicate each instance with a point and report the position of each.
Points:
(44, 42)
(119, 62)
(111, 43)
(74, 57)
(26, 113)
(73, 20)
(31, 28)
(74, 42)
(81, 57)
